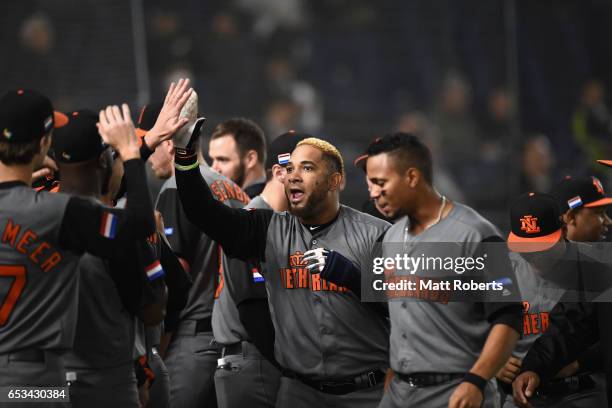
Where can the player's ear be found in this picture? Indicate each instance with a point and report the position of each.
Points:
(279, 173)
(412, 176)
(250, 159)
(569, 217)
(335, 181)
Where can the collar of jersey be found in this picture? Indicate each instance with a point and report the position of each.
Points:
(11, 184)
(319, 228)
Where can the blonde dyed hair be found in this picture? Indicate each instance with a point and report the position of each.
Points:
(326, 148)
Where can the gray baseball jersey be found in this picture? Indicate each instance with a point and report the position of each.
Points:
(244, 281)
(38, 280)
(105, 329)
(433, 336)
(197, 248)
(188, 242)
(539, 297)
(322, 330)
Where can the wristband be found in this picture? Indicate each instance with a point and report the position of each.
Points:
(185, 159)
(185, 168)
(475, 380)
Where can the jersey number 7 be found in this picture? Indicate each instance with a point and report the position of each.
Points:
(19, 273)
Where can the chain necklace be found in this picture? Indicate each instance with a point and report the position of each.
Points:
(431, 224)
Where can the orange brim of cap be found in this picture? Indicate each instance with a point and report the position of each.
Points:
(59, 119)
(605, 162)
(600, 203)
(141, 132)
(536, 244)
(359, 161)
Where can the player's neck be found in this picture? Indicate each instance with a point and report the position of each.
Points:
(256, 175)
(429, 208)
(17, 172)
(325, 215)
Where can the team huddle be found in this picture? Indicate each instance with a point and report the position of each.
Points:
(242, 283)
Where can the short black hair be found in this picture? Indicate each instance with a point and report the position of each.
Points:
(408, 151)
(19, 153)
(247, 134)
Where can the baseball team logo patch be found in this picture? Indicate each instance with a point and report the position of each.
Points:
(529, 224)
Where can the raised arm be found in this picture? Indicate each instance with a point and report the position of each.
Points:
(91, 227)
(241, 233)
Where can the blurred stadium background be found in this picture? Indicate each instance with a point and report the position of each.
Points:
(510, 95)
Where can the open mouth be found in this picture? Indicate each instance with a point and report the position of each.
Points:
(295, 195)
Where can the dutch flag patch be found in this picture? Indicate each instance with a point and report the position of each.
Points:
(257, 277)
(284, 158)
(574, 202)
(154, 271)
(108, 226)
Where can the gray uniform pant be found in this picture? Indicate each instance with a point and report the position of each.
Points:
(104, 387)
(595, 397)
(401, 395)
(47, 373)
(247, 379)
(191, 361)
(296, 394)
(159, 394)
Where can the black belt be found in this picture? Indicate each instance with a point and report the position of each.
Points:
(428, 379)
(203, 325)
(567, 385)
(343, 386)
(30, 356)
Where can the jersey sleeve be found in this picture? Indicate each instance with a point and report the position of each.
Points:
(498, 268)
(139, 276)
(575, 330)
(182, 235)
(241, 233)
(244, 280)
(108, 232)
(179, 283)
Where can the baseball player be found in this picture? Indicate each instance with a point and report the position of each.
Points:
(583, 203)
(111, 294)
(579, 329)
(442, 354)
(192, 354)
(43, 234)
(237, 149)
(149, 339)
(533, 244)
(241, 316)
(331, 347)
